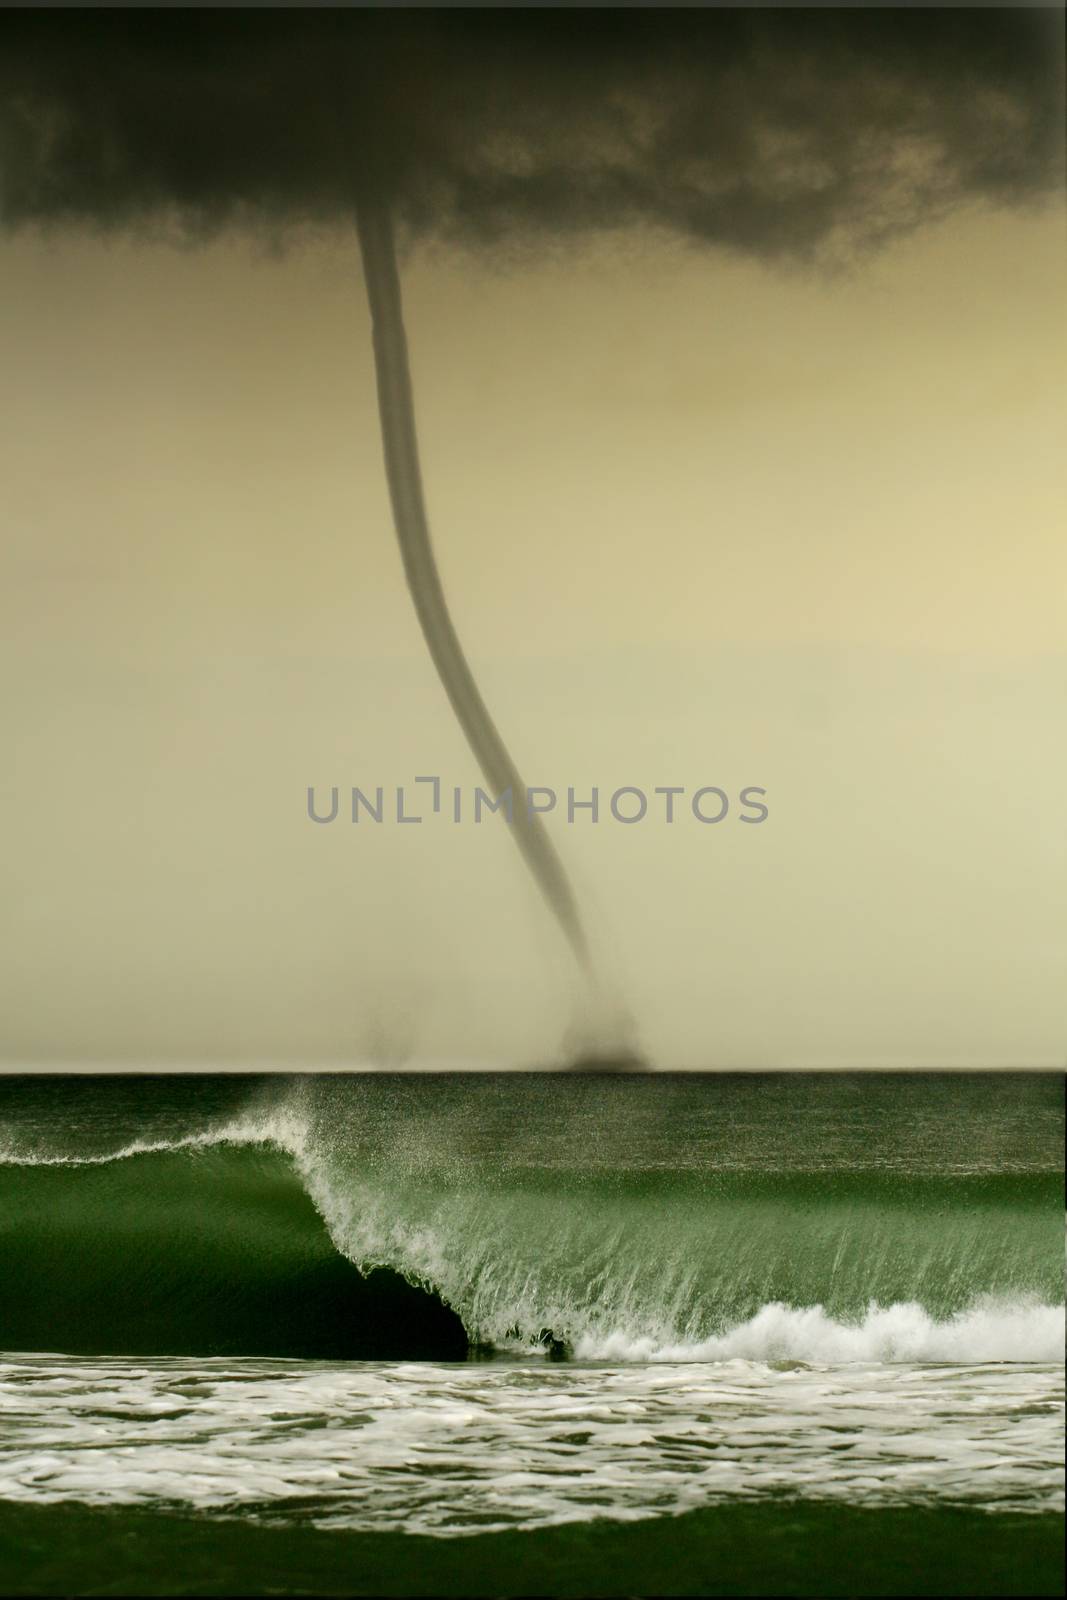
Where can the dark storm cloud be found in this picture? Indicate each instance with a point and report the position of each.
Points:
(781, 134)
(778, 133)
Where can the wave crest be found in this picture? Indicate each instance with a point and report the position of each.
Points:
(811, 1274)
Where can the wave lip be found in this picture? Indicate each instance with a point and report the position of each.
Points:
(283, 1131)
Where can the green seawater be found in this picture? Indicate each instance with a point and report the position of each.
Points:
(531, 1333)
(791, 1548)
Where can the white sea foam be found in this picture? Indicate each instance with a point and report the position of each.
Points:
(464, 1448)
(991, 1330)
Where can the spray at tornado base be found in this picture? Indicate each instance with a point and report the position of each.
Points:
(799, 137)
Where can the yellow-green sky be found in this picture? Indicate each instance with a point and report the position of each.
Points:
(700, 522)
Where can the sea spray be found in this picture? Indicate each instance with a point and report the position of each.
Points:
(809, 1217)
(640, 1264)
(614, 1272)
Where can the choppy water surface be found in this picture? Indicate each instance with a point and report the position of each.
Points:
(446, 1449)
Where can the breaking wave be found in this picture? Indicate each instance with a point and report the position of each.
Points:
(261, 1236)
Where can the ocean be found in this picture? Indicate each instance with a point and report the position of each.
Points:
(514, 1333)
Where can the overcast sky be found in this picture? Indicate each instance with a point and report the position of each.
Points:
(703, 519)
